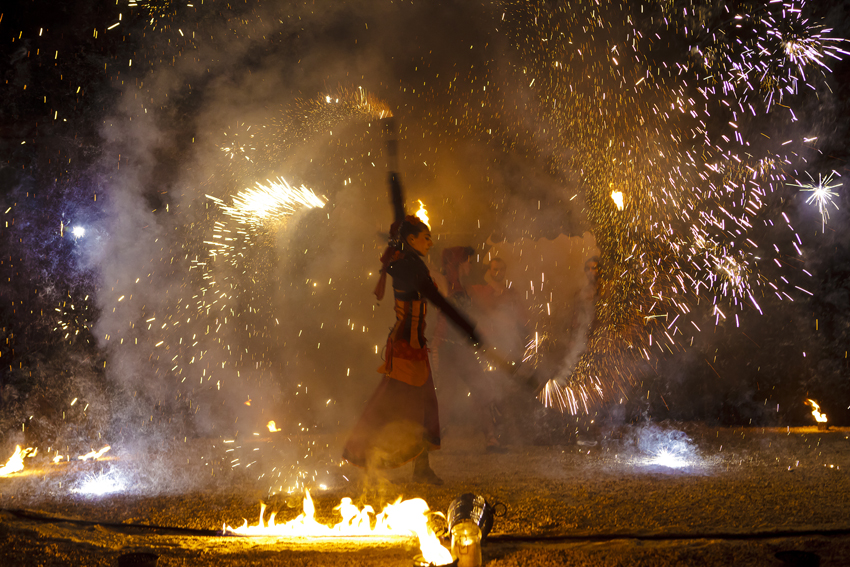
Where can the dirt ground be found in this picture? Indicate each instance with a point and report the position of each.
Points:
(736, 497)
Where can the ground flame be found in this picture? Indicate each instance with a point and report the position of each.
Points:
(819, 417)
(16, 461)
(402, 518)
(94, 455)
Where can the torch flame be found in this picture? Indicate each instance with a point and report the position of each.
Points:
(16, 461)
(618, 199)
(272, 426)
(819, 417)
(399, 519)
(422, 214)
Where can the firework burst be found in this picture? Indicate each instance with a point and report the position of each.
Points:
(822, 194)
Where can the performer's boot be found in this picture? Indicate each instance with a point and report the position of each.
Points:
(422, 471)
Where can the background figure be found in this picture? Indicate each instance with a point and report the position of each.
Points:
(503, 321)
(454, 363)
(401, 420)
(501, 312)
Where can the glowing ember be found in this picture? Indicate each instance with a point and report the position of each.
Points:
(16, 461)
(819, 417)
(422, 214)
(402, 518)
(617, 196)
(272, 426)
(94, 455)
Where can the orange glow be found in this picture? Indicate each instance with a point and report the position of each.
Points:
(272, 427)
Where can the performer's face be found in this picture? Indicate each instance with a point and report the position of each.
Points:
(421, 242)
(497, 271)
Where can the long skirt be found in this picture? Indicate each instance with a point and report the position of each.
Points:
(399, 423)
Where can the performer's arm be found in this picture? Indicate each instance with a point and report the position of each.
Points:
(430, 291)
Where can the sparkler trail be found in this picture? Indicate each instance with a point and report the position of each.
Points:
(690, 193)
(267, 205)
(766, 49)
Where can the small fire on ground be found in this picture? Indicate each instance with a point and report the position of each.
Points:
(16, 461)
(402, 518)
(819, 417)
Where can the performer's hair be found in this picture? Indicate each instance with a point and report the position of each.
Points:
(497, 259)
(456, 255)
(411, 226)
(452, 259)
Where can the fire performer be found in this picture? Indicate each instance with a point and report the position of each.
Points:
(401, 420)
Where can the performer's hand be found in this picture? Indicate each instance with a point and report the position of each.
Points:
(476, 341)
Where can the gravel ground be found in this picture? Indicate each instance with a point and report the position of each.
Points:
(742, 496)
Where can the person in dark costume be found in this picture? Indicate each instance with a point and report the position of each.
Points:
(401, 420)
